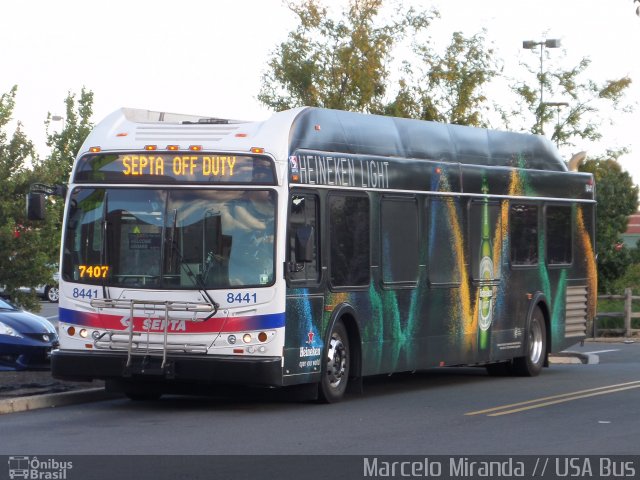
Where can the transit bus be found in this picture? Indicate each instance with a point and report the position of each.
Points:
(316, 248)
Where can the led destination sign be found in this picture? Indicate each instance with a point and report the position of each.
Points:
(143, 167)
(339, 170)
(180, 165)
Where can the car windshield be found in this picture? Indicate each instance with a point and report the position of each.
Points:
(5, 305)
(179, 238)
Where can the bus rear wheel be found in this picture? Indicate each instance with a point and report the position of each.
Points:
(536, 347)
(335, 371)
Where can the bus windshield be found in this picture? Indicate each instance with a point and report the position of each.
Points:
(170, 238)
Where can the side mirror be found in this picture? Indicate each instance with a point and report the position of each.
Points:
(305, 243)
(36, 198)
(35, 206)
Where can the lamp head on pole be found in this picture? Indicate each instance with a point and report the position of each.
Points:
(549, 43)
(552, 43)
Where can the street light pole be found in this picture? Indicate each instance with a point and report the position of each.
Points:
(530, 45)
(558, 105)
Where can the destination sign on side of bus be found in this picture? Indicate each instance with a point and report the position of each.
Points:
(161, 167)
(338, 170)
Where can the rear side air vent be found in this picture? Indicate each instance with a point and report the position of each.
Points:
(576, 314)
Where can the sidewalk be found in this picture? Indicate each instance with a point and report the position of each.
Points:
(29, 390)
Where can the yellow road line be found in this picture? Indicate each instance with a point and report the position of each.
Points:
(545, 401)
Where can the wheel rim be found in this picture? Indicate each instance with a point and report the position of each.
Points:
(53, 294)
(337, 361)
(535, 341)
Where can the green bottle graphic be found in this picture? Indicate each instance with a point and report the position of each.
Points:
(485, 310)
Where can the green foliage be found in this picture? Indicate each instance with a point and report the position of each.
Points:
(22, 251)
(454, 80)
(29, 249)
(616, 306)
(586, 99)
(342, 64)
(66, 143)
(346, 64)
(617, 198)
(630, 279)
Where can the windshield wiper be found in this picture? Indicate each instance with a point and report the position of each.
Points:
(196, 280)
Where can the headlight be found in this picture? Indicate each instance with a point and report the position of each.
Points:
(7, 330)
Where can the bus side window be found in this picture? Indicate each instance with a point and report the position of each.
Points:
(523, 226)
(558, 232)
(303, 239)
(349, 239)
(447, 225)
(399, 232)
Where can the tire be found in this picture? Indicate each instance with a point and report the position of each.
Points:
(335, 370)
(52, 293)
(536, 347)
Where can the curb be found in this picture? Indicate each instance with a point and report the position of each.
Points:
(577, 358)
(34, 402)
(626, 340)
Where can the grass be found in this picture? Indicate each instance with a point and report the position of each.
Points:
(616, 306)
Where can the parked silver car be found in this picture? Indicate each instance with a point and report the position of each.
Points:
(49, 292)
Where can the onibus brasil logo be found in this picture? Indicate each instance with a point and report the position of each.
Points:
(38, 469)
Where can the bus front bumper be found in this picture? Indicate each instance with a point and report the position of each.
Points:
(200, 369)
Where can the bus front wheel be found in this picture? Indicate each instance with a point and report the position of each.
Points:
(536, 347)
(335, 374)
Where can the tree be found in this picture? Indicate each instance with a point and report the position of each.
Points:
(28, 250)
(455, 80)
(23, 253)
(66, 143)
(617, 198)
(56, 167)
(343, 64)
(586, 99)
(346, 64)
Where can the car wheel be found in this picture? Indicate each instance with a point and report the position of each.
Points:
(52, 293)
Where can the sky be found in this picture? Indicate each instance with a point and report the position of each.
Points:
(206, 57)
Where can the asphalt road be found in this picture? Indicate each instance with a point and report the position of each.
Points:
(49, 311)
(569, 409)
